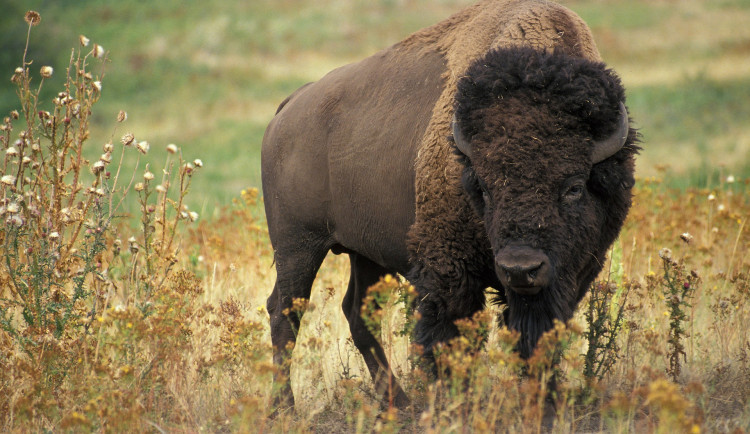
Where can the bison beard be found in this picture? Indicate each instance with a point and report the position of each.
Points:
(534, 315)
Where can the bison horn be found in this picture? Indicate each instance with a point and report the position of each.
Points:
(461, 143)
(609, 146)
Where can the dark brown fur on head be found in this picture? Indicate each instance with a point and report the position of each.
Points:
(532, 118)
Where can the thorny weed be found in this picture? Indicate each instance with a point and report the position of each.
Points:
(605, 315)
(82, 320)
(678, 286)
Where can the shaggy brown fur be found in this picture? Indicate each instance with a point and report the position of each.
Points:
(443, 215)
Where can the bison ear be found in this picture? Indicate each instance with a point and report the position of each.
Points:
(462, 144)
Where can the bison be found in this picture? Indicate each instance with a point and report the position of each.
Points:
(491, 150)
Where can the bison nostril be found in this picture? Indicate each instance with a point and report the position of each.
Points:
(533, 273)
(522, 269)
(522, 275)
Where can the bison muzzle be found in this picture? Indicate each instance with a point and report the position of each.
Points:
(492, 150)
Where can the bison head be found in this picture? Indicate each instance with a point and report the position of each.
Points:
(548, 155)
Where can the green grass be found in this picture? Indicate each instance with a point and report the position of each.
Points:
(209, 75)
(622, 15)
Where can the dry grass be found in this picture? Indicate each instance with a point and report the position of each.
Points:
(711, 392)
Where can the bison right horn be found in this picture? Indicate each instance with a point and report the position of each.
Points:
(609, 146)
(461, 143)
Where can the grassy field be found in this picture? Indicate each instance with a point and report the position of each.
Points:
(151, 343)
(209, 75)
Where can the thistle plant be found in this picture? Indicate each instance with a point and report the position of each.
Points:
(64, 277)
(604, 316)
(678, 286)
(55, 214)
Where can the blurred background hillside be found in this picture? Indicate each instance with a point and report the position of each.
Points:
(208, 75)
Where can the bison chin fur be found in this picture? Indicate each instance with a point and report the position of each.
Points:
(532, 316)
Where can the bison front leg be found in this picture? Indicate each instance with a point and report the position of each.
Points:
(441, 301)
(365, 273)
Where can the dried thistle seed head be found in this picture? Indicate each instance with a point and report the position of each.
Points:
(25, 160)
(97, 86)
(665, 254)
(83, 40)
(17, 75)
(12, 208)
(46, 71)
(54, 236)
(148, 176)
(14, 114)
(127, 139)
(139, 186)
(108, 147)
(11, 151)
(133, 244)
(14, 220)
(122, 116)
(172, 148)
(98, 51)
(106, 157)
(98, 167)
(96, 191)
(143, 146)
(686, 237)
(8, 180)
(193, 216)
(32, 18)
(198, 162)
(160, 188)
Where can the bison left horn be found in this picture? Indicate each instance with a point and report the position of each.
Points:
(609, 146)
(461, 143)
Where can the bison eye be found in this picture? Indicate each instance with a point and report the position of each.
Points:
(574, 190)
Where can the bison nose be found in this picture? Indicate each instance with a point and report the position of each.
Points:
(523, 269)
